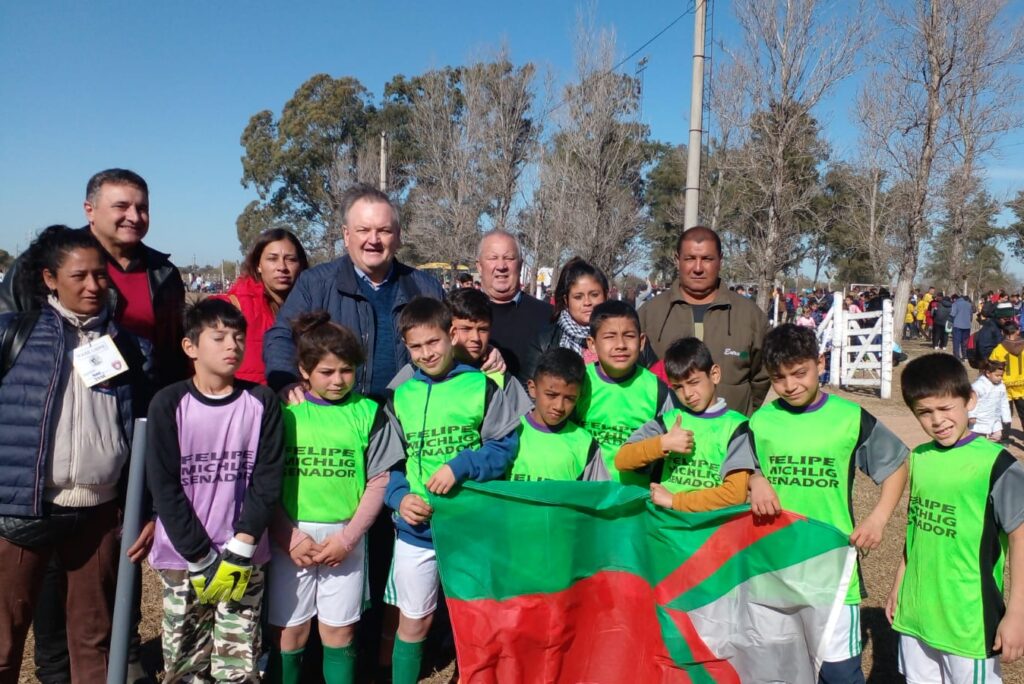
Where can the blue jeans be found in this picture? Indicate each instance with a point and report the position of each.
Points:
(960, 336)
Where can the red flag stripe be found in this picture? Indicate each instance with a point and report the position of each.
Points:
(601, 630)
(731, 538)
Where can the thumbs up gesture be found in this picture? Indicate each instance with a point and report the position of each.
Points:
(677, 439)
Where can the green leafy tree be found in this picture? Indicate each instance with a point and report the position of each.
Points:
(326, 138)
(981, 266)
(666, 189)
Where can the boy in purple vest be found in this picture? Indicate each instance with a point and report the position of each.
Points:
(214, 466)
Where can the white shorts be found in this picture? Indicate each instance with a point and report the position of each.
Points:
(412, 581)
(922, 664)
(334, 595)
(845, 642)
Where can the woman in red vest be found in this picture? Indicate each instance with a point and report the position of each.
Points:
(270, 271)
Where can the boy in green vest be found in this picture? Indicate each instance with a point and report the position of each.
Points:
(471, 335)
(456, 426)
(618, 396)
(966, 507)
(684, 449)
(808, 445)
(551, 446)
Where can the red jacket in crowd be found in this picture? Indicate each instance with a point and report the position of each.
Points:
(249, 295)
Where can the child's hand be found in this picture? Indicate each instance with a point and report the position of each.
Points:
(304, 552)
(890, 601)
(764, 502)
(332, 552)
(493, 362)
(868, 534)
(414, 510)
(661, 496)
(442, 481)
(677, 439)
(1010, 637)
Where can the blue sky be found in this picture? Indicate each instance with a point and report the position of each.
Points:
(167, 88)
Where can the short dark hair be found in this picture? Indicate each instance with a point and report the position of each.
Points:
(316, 336)
(686, 355)
(470, 304)
(991, 366)
(935, 375)
(573, 270)
(252, 260)
(1009, 327)
(611, 308)
(114, 177)
(465, 278)
(47, 252)
(564, 364)
(788, 344)
(365, 191)
(425, 311)
(208, 313)
(699, 234)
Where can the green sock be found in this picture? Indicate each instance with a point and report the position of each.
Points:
(405, 662)
(340, 664)
(285, 667)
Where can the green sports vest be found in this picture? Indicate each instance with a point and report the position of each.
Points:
(612, 411)
(325, 458)
(546, 455)
(439, 420)
(498, 377)
(702, 468)
(808, 458)
(951, 596)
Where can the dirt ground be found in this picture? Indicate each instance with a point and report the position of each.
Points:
(879, 568)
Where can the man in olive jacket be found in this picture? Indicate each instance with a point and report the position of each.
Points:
(699, 305)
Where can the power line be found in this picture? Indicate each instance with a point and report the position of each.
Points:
(633, 54)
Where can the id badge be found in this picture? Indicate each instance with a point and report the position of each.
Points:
(99, 361)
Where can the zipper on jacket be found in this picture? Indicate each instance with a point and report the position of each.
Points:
(45, 429)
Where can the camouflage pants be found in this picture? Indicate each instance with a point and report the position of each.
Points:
(210, 643)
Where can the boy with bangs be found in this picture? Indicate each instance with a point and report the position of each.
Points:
(214, 466)
(685, 449)
(618, 396)
(456, 426)
(471, 336)
(551, 445)
(808, 445)
(966, 508)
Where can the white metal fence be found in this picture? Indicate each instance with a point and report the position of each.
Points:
(861, 345)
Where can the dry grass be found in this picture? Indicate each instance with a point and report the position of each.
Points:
(879, 568)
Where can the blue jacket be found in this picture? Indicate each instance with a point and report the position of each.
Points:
(488, 462)
(333, 287)
(28, 399)
(961, 313)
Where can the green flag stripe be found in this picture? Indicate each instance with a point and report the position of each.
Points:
(680, 650)
(570, 531)
(796, 543)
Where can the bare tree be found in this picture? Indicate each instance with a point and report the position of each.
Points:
(985, 106)
(910, 102)
(446, 202)
(792, 55)
(500, 100)
(591, 178)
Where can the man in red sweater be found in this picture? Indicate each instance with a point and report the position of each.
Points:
(148, 299)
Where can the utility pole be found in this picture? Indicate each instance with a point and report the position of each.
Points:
(383, 161)
(696, 116)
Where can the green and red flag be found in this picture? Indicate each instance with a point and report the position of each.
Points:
(590, 582)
